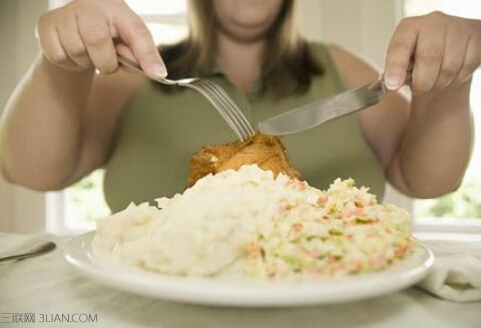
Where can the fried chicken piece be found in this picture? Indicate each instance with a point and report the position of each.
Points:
(267, 152)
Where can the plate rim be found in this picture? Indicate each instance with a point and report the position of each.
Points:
(77, 252)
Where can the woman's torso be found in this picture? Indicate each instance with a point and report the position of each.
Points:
(159, 132)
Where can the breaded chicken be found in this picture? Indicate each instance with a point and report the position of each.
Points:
(267, 152)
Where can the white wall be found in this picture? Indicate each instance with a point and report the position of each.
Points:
(364, 26)
(21, 210)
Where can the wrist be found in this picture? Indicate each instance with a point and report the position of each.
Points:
(453, 95)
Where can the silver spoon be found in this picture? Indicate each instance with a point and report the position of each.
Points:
(39, 250)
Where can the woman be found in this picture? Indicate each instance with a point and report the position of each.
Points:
(64, 121)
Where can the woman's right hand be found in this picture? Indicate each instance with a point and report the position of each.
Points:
(87, 34)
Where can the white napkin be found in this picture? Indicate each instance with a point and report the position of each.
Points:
(456, 274)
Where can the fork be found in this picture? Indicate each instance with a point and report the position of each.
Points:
(224, 104)
(39, 250)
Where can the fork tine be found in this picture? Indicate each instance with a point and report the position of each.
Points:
(230, 112)
(226, 107)
(232, 109)
(236, 110)
(219, 107)
(222, 106)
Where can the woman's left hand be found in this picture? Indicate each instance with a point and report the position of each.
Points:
(446, 50)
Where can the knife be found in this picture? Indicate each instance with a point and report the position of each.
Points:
(321, 111)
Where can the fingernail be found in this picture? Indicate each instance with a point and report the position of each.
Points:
(393, 82)
(159, 70)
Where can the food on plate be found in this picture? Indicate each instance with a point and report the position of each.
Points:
(250, 222)
(267, 152)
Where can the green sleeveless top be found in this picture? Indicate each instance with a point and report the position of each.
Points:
(159, 132)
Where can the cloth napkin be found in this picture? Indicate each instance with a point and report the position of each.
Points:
(456, 273)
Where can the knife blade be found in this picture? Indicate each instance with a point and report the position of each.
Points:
(318, 112)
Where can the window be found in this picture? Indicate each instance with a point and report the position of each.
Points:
(77, 207)
(464, 205)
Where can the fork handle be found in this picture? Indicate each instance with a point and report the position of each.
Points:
(136, 67)
(42, 249)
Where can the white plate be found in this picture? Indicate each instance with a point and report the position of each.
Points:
(403, 274)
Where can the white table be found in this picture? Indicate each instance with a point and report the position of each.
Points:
(47, 286)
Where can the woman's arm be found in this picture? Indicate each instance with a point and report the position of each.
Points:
(40, 128)
(58, 124)
(435, 149)
(436, 146)
(424, 145)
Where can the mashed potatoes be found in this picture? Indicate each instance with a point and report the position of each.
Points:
(249, 222)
